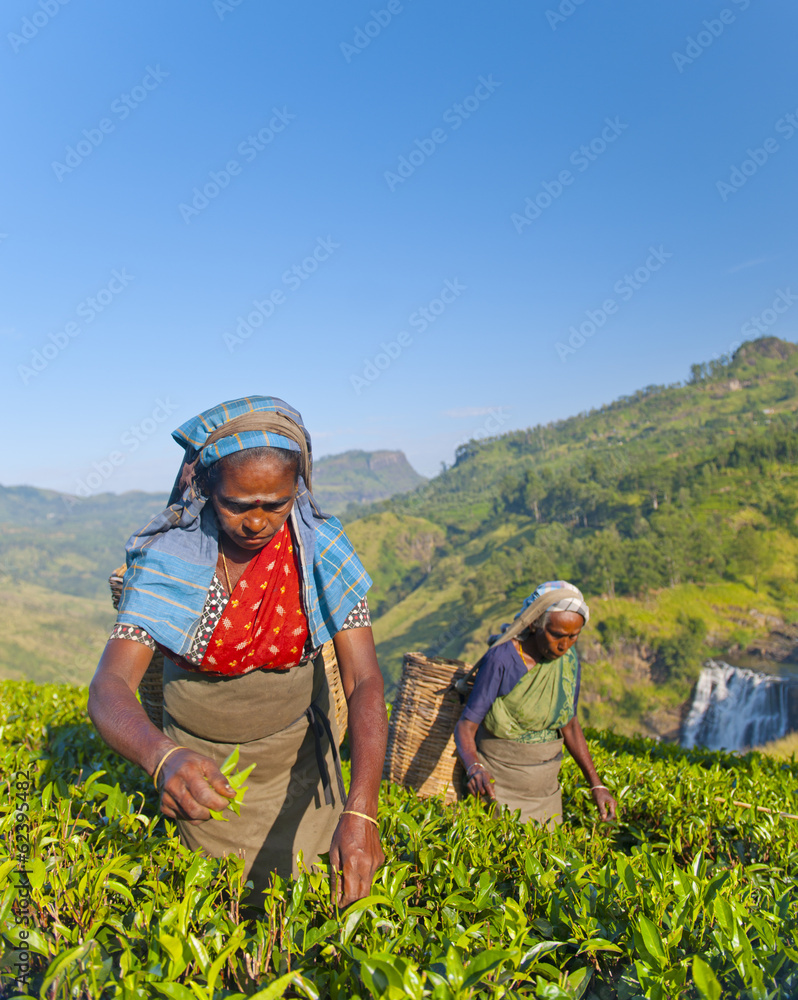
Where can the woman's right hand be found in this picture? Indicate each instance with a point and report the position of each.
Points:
(478, 779)
(191, 785)
(481, 784)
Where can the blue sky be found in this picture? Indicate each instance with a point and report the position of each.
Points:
(333, 174)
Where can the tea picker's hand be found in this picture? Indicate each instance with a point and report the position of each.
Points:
(607, 806)
(191, 785)
(355, 856)
(480, 783)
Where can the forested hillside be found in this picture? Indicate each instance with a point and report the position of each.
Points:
(673, 509)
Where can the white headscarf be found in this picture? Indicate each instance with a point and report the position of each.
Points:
(555, 595)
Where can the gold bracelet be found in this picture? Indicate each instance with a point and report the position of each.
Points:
(163, 761)
(351, 812)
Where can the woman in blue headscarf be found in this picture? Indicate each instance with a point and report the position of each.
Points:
(522, 709)
(239, 583)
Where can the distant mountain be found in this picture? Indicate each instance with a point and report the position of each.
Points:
(358, 477)
(67, 543)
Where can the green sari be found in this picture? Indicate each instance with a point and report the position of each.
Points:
(539, 705)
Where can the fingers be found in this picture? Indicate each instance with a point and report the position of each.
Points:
(606, 805)
(355, 855)
(357, 872)
(336, 877)
(217, 781)
(481, 784)
(191, 785)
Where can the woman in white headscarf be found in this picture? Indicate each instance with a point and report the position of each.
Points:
(522, 709)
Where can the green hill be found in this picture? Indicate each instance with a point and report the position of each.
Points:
(357, 477)
(65, 543)
(51, 637)
(673, 509)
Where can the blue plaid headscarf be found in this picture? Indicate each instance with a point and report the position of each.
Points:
(171, 560)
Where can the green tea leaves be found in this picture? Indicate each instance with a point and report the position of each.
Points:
(236, 780)
(684, 898)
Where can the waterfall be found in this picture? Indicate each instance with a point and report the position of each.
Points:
(734, 709)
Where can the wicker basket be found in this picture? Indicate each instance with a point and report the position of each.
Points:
(151, 686)
(337, 696)
(421, 752)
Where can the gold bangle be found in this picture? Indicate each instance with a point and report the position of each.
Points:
(351, 812)
(161, 764)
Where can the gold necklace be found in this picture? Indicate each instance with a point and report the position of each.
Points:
(226, 571)
(528, 661)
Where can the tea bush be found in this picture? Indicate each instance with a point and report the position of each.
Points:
(687, 896)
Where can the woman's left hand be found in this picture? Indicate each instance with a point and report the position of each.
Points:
(607, 806)
(355, 855)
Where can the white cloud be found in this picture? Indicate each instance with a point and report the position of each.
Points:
(747, 263)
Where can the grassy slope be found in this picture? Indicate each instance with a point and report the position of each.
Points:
(786, 747)
(65, 543)
(50, 637)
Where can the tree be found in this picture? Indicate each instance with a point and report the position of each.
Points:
(753, 552)
(680, 653)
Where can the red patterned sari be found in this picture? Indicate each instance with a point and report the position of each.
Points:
(263, 624)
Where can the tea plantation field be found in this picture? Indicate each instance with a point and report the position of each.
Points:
(689, 895)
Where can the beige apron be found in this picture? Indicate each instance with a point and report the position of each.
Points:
(276, 717)
(525, 775)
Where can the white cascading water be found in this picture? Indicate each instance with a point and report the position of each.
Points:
(735, 709)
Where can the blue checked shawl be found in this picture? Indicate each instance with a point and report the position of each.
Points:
(171, 560)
